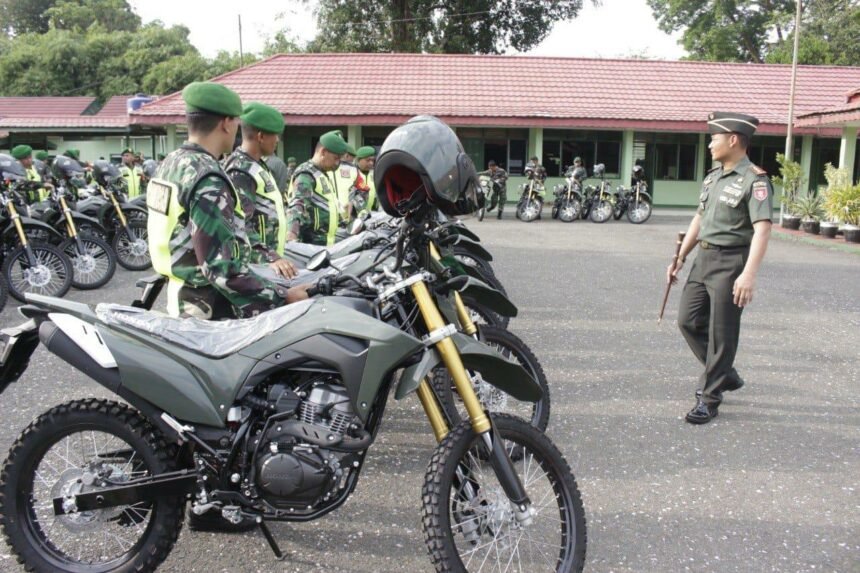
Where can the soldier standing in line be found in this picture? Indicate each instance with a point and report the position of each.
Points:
(132, 173)
(362, 197)
(500, 189)
(731, 227)
(314, 210)
(196, 226)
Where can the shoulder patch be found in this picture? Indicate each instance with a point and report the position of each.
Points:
(759, 190)
(758, 170)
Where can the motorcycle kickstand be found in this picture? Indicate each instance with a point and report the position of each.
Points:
(267, 533)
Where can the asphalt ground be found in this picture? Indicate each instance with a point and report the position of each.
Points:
(772, 485)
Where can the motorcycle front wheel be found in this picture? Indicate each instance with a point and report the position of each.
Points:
(4, 293)
(480, 314)
(93, 267)
(494, 400)
(51, 275)
(529, 210)
(639, 212)
(132, 247)
(469, 522)
(601, 212)
(569, 210)
(82, 447)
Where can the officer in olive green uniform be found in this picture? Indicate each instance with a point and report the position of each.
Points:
(132, 173)
(314, 211)
(262, 200)
(362, 197)
(196, 225)
(732, 228)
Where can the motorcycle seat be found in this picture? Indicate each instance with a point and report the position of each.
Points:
(215, 339)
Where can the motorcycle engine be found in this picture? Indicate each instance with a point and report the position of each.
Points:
(294, 473)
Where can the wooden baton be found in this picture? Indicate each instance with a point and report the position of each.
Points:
(677, 254)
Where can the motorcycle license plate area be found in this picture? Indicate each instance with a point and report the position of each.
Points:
(16, 346)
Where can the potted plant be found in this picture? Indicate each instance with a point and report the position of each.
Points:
(842, 202)
(791, 179)
(810, 210)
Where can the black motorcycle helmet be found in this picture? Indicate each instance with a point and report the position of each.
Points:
(68, 170)
(599, 169)
(638, 172)
(106, 173)
(150, 166)
(11, 169)
(424, 156)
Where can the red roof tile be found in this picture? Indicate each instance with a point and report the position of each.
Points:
(115, 106)
(65, 121)
(499, 90)
(38, 106)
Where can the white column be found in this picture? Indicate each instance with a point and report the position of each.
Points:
(171, 139)
(353, 133)
(848, 149)
(626, 156)
(536, 143)
(806, 161)
(701, 166)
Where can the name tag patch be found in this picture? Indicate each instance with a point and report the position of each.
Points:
(158, 196)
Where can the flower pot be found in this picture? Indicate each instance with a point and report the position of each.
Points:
(792, 223)
(811, 227)
(829, 230)
(852, 233)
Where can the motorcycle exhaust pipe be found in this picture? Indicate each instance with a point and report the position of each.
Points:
(59, 344)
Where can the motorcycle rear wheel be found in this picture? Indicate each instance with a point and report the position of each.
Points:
(96, 433)
(617, 211)
(468, 519)
(493, 399)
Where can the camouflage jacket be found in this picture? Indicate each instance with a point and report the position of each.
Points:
(499, 176)
(261, 217)
(209, 248)
(312, 192)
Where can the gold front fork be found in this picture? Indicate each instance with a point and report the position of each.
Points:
(463, 315)
(70, 223)
(16, 220)
(434, 412)
(119, 212)
(451, 357)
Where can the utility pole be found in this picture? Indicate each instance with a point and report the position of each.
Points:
(242, 55)
(789, 139)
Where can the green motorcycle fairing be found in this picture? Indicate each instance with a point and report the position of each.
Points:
(503, 373)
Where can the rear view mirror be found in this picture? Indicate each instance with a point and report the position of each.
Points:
(318, 261)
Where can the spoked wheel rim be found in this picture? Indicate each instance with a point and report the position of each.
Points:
(601, 212)
(529, 211)
(569, 211)
(486, 532)
(81, 462)
(92, 265)
(49, 276)
(132, 248)
(639, 212)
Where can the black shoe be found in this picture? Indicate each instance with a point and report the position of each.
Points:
(212, 521)
(732, 387)
(499, 215)
(703, 412)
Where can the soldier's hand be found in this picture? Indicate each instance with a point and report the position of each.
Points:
(672, 271)
(284, 268)
(297, 293)
(743, 289)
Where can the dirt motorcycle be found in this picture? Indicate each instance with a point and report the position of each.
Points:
(636, 201)
(530, 204)
(568, 196)
(601, 199)
(270, 419)
(27, 266)
(125, 223)
(93, 260)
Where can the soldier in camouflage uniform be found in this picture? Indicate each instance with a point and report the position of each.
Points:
(500, 190)
(262, 201)
(362, 196)
(314, 211)
(196, 227)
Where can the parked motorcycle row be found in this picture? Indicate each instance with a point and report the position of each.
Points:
(270, 418)
(574, 201)
(63, 233)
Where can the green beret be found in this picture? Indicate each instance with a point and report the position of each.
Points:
(160, 157)
(350, 149)
(127, 150)
(73, 153)
(291, 159)
(22, 151)
(263, 117)
(366, 151)
(334, 142)
(41, 155)
(730, 122)
(213, 98)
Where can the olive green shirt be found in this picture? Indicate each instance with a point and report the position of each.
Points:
(731, 201)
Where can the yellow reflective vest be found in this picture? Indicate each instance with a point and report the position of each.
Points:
(132, 176)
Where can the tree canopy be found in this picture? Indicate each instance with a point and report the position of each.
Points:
(437, 26)
(762, 30)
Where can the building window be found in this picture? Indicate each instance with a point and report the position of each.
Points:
(560, 148)
(517, 150)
